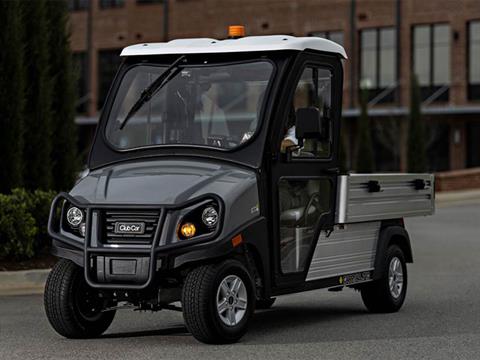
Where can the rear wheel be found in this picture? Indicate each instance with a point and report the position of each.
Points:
(388, 293)
(74, 309)
(218, 302)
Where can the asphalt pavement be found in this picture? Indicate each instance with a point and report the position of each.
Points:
(440, 318)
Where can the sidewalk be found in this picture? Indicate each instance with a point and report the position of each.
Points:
(28, 282)
(450, 198)
(24, 282)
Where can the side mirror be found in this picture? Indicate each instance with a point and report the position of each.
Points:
(310, 124)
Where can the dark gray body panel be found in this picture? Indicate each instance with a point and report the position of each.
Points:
(170, 182)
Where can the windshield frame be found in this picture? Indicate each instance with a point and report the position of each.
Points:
(106, 113)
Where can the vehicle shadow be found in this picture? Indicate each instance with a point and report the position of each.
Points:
(305, 323)
(170, 331)
(329, 321)
(279, 324)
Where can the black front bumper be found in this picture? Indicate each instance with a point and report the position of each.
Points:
(126, 266)
(121, 270)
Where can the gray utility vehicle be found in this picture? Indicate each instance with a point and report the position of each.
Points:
(194, 196)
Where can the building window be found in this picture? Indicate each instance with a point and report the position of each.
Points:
(104, 4)
(431, 60)
(77, 5)
(80, 66)
(335, 36)
(473, 60)
(378, 63)
(108, 63)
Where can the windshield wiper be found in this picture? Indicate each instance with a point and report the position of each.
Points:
(154, 87)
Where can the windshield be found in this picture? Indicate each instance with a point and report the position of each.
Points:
(217, 106)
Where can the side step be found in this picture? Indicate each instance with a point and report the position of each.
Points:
(336, 288)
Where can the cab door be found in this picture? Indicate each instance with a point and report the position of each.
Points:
(304, 178)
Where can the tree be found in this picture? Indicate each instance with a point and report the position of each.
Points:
(365, 160)
(388, 133)
(37, 150)
(417, 154)
(64, 143)
(12, 101)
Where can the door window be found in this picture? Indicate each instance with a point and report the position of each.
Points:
(314, 89)
(302, 204)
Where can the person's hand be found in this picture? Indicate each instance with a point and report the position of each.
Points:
(285, 144)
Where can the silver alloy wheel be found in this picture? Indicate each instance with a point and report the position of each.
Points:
(232, 300)
(395, 277)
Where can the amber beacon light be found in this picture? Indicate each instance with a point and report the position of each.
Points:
(236, 31)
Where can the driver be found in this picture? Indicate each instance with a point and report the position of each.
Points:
(289, 138)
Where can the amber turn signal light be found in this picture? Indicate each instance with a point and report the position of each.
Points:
(188, 230)
(237, 240)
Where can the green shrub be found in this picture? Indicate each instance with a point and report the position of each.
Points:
(17, 228)
(41, 210)
(23, 223)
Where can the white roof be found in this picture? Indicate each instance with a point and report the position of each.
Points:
(245, 44)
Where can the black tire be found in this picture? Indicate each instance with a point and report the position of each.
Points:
(199, 302)
(377, 296)
(66, 296)
(264, 304)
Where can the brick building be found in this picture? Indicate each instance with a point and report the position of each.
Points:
(439, 40)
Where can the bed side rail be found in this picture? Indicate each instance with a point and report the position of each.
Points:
(368, 197)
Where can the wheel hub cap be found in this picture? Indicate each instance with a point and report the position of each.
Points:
(395, 277)
(231, 300)
(88, 302)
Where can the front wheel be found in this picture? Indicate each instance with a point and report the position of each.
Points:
(74, 309)
(218, 302)
(388, 293)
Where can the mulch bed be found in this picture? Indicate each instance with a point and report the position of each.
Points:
(43, 261)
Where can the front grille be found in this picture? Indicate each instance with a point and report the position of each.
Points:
(149, 218)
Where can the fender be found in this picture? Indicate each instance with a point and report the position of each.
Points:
(391, 235)
(63, 250)
(254, 251)
(252, 237)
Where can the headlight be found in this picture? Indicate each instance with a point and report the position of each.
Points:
(199, 220)
(210, 216)
(74, 216)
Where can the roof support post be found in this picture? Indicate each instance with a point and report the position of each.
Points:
(353, 46)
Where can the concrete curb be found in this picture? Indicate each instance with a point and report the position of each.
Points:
(23, 282)
(460, 197)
